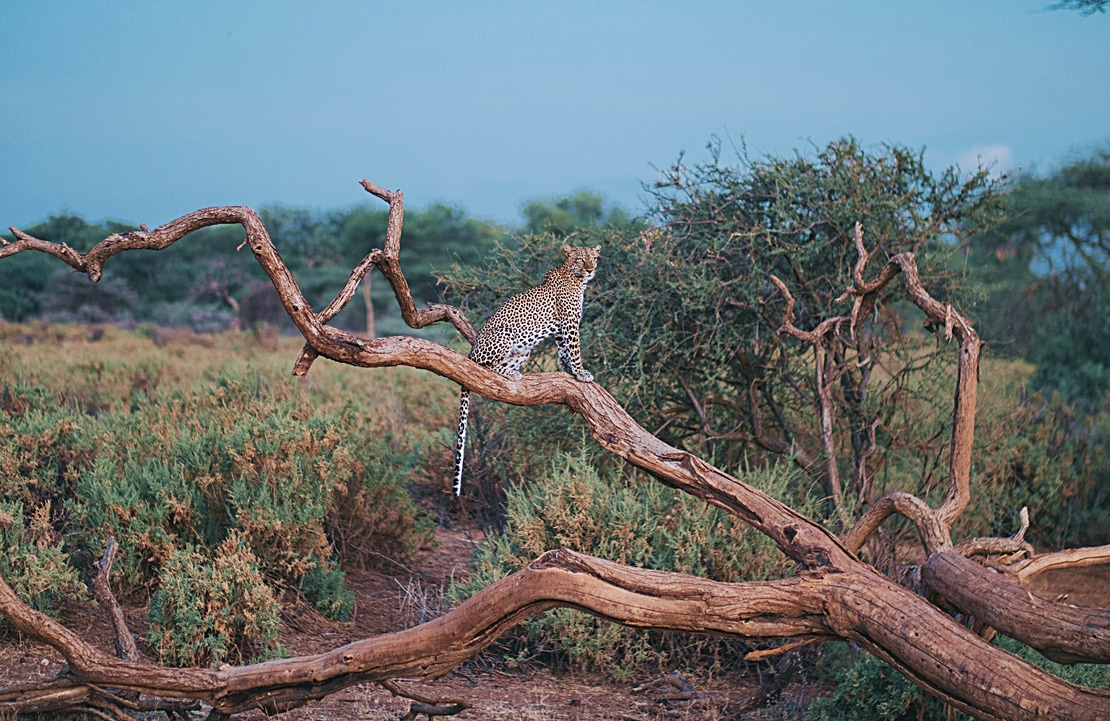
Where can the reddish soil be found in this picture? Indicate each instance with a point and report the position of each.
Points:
(1088, 586)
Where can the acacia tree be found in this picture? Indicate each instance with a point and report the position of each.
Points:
(833, 595)
(685, 319)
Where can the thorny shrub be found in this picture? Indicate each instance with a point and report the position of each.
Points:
(681, 322)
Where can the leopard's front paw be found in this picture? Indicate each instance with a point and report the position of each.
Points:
(585, 377)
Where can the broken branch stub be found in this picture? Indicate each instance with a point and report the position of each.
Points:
(833, 594)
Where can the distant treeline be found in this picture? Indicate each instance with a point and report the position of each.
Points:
(1037, 275)
(202, 282)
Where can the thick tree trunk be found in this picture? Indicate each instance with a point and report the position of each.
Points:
(834, 595)
(1061, 631)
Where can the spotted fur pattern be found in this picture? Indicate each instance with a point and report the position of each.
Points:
(553, 308)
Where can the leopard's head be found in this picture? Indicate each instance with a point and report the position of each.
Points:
(582, 262)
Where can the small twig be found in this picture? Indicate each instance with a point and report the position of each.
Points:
(698, 408)
(767, 653)
(137, 705)
(416, 709)
(788, 327)
(775, 445)
(864, 495)
(828, 445)
(93, 711)
(1024, 515)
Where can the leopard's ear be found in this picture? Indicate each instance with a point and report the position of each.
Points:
(597, 250)
(567, 250)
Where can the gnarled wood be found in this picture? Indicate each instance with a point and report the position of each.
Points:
(1062, 632)
(933, 531)
(388, 261)
(1070, 558)
(833, 594)
(125, 642)
(852, 606)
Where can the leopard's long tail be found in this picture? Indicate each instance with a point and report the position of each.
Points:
(460, 439)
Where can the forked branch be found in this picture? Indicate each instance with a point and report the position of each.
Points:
(934, 525)
(833, 593)
(388, 261)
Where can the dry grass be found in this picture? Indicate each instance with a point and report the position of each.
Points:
(97, 366)
(421, 602)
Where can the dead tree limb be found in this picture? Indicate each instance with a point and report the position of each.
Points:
(824, 389)
(1062, 632)
(860, 607)
(834, 593)
(934, 524)
(388, 261)
(429, 705)
(933, 532)
(102, 589)
(938, 315)
(1028, 569)
(1057, 630)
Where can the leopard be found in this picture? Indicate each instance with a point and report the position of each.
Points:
(553, 308)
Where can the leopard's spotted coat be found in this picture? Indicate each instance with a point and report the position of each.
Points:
(508, 337)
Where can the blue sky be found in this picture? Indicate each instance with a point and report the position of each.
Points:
(145, 111)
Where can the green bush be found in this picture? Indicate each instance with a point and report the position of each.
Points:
(182, 445)
(323, 587)
(618, 517)
(1037, 452)
(31, 560)
(868, 689)
(250, 458)
(681, 323)
(209, 609)
(1091, 675)
(37, 454)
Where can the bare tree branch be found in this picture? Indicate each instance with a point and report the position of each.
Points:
(933, 531)
(1015, 545)
(859, 607)
(1062, 632)
(933, 524)
(1026, 570)
(388, 261)
(102, 588)
(833, 593)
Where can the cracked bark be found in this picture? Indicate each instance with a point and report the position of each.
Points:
(834, 594)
